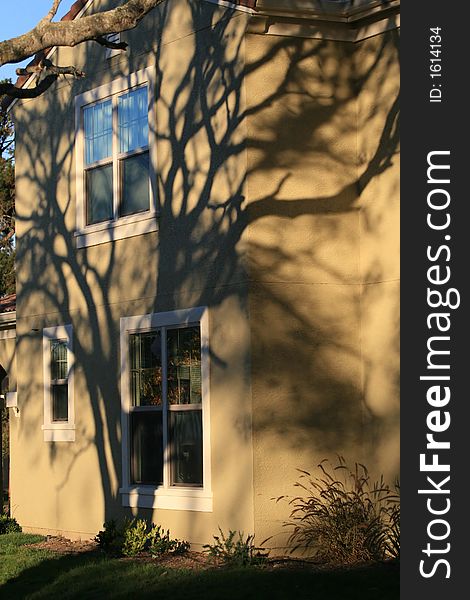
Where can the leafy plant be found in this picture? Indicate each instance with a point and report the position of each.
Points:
(111, 537)
(343, 517)
(135, 537)
(132, 536)
(161, 543)
(235, 550)
(9, 525)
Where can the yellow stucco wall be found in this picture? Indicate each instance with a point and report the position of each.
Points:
(276, 211)
(323, 255)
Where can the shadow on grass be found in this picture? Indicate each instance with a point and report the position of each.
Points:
(91, 575)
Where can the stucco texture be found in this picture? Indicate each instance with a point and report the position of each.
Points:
(323, 260)
(277, 176)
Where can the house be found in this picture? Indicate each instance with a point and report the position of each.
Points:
(208, 266)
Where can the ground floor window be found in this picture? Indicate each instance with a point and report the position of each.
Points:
(165, 388)
(58, 360)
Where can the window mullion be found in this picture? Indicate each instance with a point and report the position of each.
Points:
(115, 149)
(166, 448)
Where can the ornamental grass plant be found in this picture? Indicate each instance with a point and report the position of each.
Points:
(342, 517)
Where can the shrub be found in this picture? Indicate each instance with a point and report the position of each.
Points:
(236, 551)
(345, 519)
(131, 537)
(161, 543)
(111, 538)
(9, 525)
(135, 537)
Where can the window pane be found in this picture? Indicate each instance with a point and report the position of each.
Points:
(186, 444)
(98, 126)
(133, 120)
(147, 447)
(58, 359)
(134, 184)
(99, 184)
(60, 402)
(184, 365)
(146, 368)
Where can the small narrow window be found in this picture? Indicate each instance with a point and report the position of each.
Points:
(58, 359)
(59, 381)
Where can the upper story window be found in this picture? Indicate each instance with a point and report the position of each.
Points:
(115, 173)
(115, 38)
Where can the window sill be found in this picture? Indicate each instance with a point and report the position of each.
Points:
(195, 499)
(63, 432)
(108, 231)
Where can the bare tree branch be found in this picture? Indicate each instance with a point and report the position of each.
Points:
(46, 66)
(48, 34)
(51, 14)
(15, 92)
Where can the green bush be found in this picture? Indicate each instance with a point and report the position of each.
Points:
(111, 538)
(132, 536)
(135, 537)
(235, 550)
(343, 517)
(161, 543)
(9, 525)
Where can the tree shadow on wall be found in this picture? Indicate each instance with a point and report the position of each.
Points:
(262, 203)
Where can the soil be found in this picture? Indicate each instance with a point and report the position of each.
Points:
(190, 560)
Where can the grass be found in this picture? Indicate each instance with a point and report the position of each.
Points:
(30, 573)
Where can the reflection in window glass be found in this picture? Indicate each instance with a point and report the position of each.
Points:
(186, 443)
(116, 135)
(146, 368)
(59, 381)
(133, 120)
(147, 448)
(166, 410)
(99, 183)
(184, 365)
(98, 126)
(134, 184)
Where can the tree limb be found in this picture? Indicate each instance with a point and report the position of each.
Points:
(47, 67)
(15, 92)
(48, 34)
(51, 14)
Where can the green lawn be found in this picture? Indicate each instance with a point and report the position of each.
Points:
(39, 574)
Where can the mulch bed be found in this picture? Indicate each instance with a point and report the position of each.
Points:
(190, 560)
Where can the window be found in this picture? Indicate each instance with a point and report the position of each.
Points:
(128, 164)
(165, 410)
(115, 179)
(115, 38)
(59, 381)
(58, 384)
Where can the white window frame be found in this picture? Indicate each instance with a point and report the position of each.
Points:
(166, 496)
(126, 226)
(58, 431)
